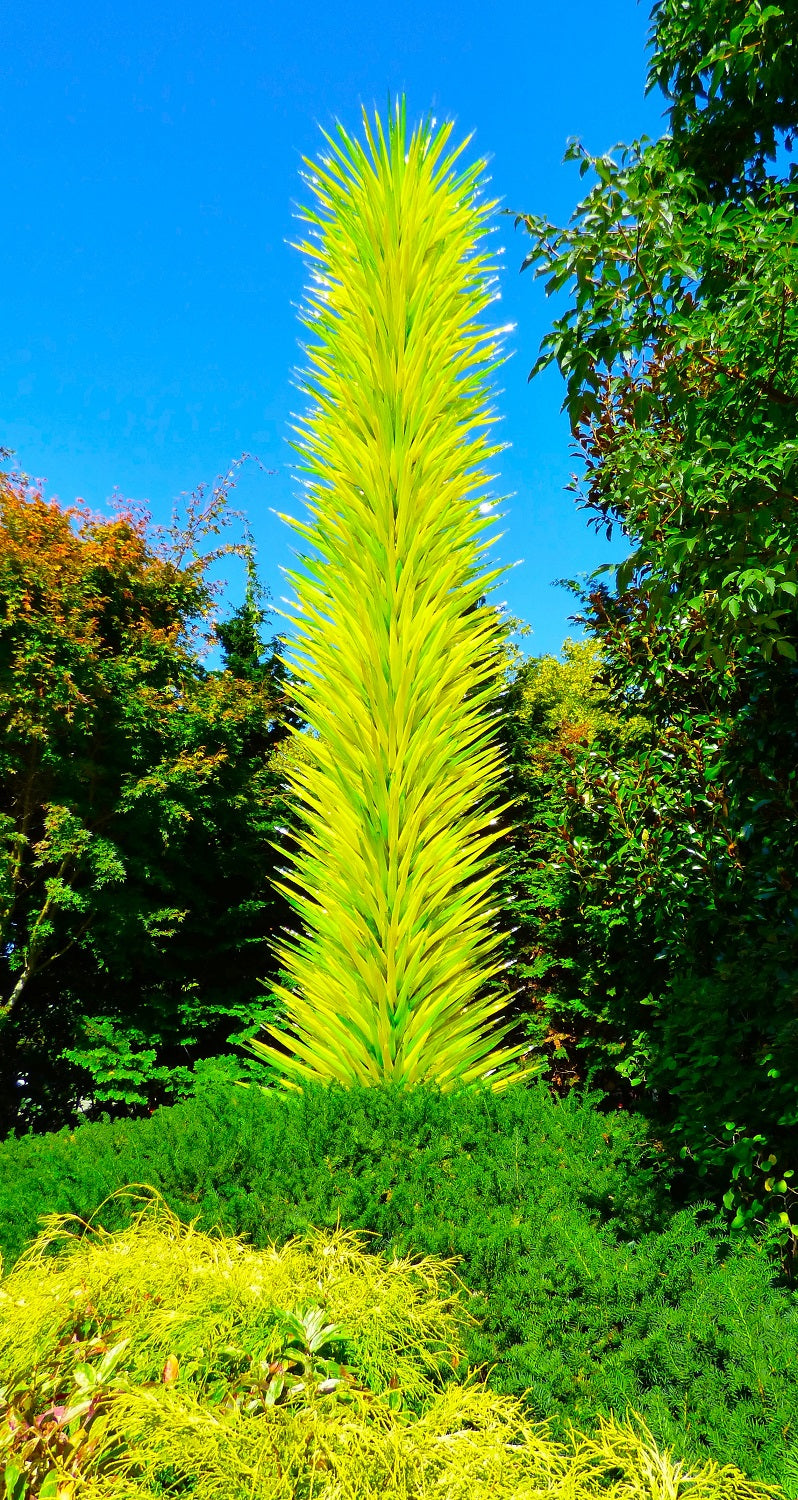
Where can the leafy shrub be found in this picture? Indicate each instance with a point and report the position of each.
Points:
(593, 1293)
(269, 1167)
(684, 1325)
(143, 1364)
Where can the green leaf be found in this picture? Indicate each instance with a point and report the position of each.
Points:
(15, 1481)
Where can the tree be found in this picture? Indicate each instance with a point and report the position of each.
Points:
(679, 347)
(730, 74)
(680, 351)
(557, 719)
(137, 795)
(392, 878)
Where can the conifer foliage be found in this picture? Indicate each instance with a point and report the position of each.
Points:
(392, 877)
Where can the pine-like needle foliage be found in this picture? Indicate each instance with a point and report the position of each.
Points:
(399, 659)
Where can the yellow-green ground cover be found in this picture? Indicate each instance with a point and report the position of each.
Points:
(161, 1361)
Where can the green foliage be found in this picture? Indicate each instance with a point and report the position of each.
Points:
(137, 795)
(592, 1292)
(557, 717)
(210, 1323)
(673, 915)
(730, 73)
(224, 1313)
(680, 351)
(147, 1363)
(244, 1155)
(644, 897)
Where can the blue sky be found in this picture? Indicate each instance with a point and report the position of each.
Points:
(151, 158)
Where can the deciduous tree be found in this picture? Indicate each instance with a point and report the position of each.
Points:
(137, 795)
(679, 347)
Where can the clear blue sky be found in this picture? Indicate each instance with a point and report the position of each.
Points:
(151, 158)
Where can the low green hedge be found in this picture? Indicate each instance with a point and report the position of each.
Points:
(594, 1290)
(272, 1166)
